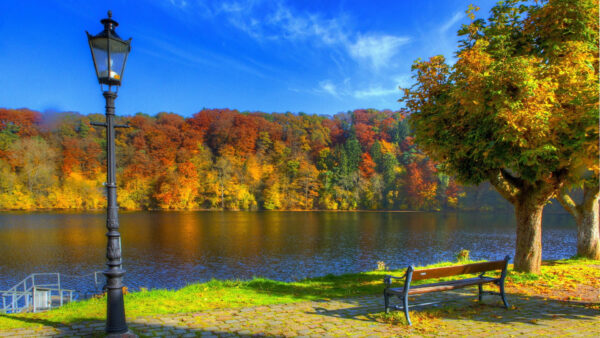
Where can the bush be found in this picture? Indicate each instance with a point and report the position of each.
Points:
(462, 255)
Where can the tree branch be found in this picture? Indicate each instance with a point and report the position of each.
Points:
(507, 185)
(567, 202)
(514, 181)
(591, 192)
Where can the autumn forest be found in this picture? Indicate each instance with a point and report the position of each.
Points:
(224, 159)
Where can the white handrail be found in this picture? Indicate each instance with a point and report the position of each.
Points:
(20, 295)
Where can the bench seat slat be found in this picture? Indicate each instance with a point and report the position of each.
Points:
(455, 270)
(443, 286)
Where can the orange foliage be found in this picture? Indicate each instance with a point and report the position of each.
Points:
(367, 166)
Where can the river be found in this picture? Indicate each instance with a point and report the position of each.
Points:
(172, 249)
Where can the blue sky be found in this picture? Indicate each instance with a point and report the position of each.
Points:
(317, 57)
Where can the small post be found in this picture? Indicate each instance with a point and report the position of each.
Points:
(59, 291)
(33, 299)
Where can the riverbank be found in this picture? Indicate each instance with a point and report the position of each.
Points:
(575, 280)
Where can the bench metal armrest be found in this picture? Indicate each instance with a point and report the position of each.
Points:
(388, 279)
(503, 272)
(407, 278)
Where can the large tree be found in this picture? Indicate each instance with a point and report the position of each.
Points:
(519, 108)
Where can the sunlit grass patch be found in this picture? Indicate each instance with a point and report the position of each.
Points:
(562, 275)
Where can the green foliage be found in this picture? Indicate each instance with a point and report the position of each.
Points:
(353, 152)
(8, 136)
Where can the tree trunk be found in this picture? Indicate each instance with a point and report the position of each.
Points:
(588, 243)
(586, 217)
(528, 199)
(306, 194)
(588, 233)
(528, 255)
(222, 192)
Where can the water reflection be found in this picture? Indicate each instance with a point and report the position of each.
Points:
(171, 249)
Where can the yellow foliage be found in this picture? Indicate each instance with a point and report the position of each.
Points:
(388, 147)
(78, 192)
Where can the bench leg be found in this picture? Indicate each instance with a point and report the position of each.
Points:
(480, 292)
(405, 305)
(503, 295)
(386, 299)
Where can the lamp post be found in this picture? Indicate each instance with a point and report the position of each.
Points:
(109, 53)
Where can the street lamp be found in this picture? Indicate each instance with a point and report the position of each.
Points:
(109, 53)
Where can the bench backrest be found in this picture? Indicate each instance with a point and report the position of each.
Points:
(457, 270)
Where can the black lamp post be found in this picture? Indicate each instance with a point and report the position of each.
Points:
(110, 52)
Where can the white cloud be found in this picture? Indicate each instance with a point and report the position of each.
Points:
(364, 60)
(374, 92)
(179, 3)
(236, 6)
(328, 87)
(264, 21)
(403, 80)
(450, 23)
(344, 90)
(268, 21)
(377, 49)
(196, 57)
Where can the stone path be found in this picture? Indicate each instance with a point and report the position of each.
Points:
(361, 317)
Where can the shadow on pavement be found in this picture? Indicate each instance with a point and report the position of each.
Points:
(464, 306)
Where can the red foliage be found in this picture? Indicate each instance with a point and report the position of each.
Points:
(453, 189)
(365, 135)
(244, 134)
(407, 143)
(72, 155)
(387, 126)
(336, 132)
(27, 120)
(362, 116)
(367, 166)
(414, 184)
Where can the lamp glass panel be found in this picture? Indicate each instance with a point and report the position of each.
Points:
(118, 52)
(101, 59)
(117, 57)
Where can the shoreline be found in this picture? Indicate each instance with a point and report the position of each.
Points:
(554, 282)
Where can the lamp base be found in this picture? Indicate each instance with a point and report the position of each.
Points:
(128, 334)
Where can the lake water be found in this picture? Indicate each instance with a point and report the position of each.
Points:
(172, 249)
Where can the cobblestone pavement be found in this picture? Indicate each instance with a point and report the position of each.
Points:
(361, 317)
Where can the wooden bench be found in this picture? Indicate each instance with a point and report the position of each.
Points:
(414, 275)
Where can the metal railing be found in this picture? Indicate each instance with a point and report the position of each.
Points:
(37, 292)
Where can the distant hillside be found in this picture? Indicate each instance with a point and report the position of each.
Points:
(221, 158)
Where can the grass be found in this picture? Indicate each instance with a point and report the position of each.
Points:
(557, 279)
(215, 294)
